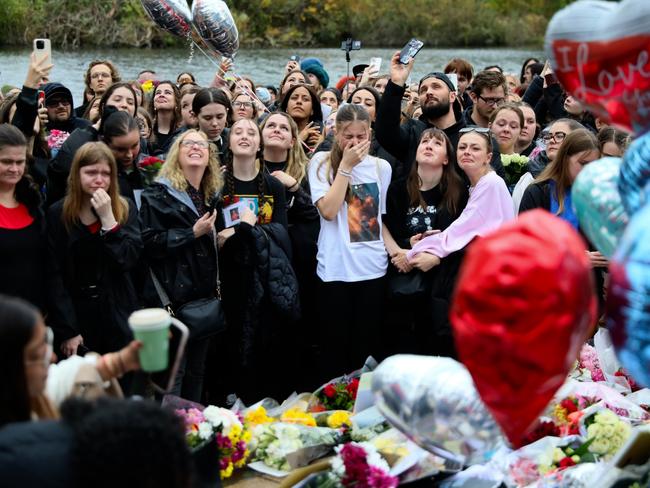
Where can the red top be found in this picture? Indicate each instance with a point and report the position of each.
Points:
(15, 218)
(95, 227)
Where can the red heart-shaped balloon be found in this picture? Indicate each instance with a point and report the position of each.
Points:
(523, 307)
(600, 52)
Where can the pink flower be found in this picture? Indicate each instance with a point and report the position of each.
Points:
(378, 478)
(589, 360)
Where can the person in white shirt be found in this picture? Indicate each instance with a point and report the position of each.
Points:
(349, 187)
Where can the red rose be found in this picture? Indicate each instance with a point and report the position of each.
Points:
(330, 391)
(567, 462)
(352, 387)
(568, 405)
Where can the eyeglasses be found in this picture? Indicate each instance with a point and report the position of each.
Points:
(94, 76)
(56, 103)
(556, 136)
(242, 104)
(492, 101)
(480, 130)
(49, 350)
(190, 143)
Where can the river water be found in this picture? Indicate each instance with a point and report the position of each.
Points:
(264, 66)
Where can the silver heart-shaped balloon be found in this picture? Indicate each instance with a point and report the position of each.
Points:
(434, 402)
(214, 23)
(172, 15)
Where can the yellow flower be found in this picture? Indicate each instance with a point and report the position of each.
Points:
(295, 416)
(234, 433)
(246, 436)
(147, 86)
(559, 413)
(257, 416)
(338, 419)
(558, 455)
(242, 462)
(227, 473)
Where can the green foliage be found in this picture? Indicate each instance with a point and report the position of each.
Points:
(274, 23)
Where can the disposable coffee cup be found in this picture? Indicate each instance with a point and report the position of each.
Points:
(151, 327)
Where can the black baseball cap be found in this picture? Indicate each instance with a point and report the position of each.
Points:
(441, 76)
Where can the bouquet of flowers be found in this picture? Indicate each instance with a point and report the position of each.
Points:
(356, 465)
(514, 166)
(273, 442)
(338, 394)
(150, 166)
(606, 432)
(55, 140)
(222, 426)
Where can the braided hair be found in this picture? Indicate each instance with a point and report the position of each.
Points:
(259, 163)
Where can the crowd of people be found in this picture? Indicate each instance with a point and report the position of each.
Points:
(332, 219)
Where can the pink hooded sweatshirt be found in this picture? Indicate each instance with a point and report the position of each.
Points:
(488, 208)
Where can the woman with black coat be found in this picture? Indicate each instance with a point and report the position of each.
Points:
(259, 285)
(177, 221)
(22, 224)
(94, 245)
(431, 197)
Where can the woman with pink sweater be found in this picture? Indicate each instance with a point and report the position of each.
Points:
(489, 205)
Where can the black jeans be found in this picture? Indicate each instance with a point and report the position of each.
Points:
(350, 321)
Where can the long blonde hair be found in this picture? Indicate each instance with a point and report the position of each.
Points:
(296, 159)
(87, 155)
(212, 181)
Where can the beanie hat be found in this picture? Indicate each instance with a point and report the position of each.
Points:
(315, 67)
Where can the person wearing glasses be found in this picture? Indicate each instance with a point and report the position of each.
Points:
(60, 117)
(552, 137)
(243, 107)
(177, 218)
(489, 205)
(488, 91)
(440, 108)
(100, 75)
(34, 387)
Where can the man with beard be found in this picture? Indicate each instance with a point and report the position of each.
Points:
(488, 92)
(60, 116)
(440, 109)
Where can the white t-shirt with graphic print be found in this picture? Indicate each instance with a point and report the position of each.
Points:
(351, 247)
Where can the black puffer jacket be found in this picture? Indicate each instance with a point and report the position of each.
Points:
(185, 266)
(274, 271)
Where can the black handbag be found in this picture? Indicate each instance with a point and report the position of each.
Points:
(204, 317)
(407, 285)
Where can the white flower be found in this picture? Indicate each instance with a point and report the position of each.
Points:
(221, 416)
(606, 417)
(205, 430)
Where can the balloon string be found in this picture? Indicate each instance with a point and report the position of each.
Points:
(191, 43)
(243, 88)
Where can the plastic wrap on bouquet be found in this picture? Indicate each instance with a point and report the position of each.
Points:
(628, 298)
(172, 15)
(434, 402)
(598, 204)
(214, 23)
(524, 305)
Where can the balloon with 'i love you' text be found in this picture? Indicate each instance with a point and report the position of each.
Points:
(600, 52)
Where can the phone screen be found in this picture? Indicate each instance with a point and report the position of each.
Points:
(410, 50)
(163, 381)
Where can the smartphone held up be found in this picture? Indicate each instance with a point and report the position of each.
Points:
(409, 51)
(43, 47)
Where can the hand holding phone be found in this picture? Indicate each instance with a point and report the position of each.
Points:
(399, 72)
(39, 69)
(409, 51)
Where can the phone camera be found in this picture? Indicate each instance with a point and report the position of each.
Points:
(40, 44)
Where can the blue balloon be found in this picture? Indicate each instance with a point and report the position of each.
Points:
(634, 180)
(628, 298)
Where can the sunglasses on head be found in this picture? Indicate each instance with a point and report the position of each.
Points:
(480, 130)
